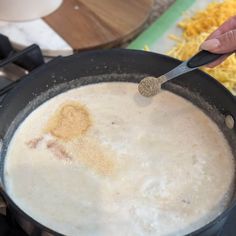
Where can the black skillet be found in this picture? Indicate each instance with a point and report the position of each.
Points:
(63, 73)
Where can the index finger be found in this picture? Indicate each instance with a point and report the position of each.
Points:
(228, 25)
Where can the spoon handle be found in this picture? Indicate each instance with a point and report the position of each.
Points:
(202, 58)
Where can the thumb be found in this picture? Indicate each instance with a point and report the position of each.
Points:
(224, 43)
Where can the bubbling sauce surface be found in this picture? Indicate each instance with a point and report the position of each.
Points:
(103, 160)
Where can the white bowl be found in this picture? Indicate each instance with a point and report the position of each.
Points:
(23, 10)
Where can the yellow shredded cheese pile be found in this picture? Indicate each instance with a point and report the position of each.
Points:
(195, 31)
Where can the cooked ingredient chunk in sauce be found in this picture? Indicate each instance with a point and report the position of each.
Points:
(103, 160)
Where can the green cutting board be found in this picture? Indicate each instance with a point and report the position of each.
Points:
(156, 37)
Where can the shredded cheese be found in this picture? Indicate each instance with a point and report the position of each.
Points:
(195, 31)
(146, 48)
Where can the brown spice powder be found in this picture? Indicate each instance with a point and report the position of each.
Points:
(94, 156)
(68, 124)
(33, 143)
(70, 121)
(58, 150)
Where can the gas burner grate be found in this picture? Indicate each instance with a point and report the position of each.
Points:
(15, 64)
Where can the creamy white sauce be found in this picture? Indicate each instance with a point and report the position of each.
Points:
(171, 168)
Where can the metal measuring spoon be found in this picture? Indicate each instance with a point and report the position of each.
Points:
(150, 86)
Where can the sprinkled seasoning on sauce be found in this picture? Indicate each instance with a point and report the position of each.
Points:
(71, 120)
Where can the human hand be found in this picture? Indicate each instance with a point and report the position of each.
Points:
(222, 41)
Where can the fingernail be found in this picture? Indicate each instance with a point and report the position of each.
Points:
(210, 44)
